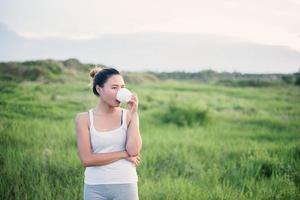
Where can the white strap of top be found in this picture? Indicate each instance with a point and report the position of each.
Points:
(91, 118)
(124, 123)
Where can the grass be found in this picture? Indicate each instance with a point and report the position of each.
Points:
(249, 149)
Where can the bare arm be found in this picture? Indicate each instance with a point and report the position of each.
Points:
(87, 157)
(134, 139)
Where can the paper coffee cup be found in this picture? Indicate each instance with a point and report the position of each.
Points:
(124, 95)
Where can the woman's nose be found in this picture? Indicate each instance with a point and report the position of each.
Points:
(117, 91)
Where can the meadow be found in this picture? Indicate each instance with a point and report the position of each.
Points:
(200, 141)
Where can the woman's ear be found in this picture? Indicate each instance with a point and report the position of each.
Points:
(99, 89)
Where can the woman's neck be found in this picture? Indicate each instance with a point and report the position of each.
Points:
(103, 108)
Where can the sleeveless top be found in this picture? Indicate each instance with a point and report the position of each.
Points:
(120, 171)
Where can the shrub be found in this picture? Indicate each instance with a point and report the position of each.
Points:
(31, 70)
(297, 82)
(288, 79)
(246, 83)
(185, 114)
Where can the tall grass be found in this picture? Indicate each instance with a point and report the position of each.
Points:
(212, 142)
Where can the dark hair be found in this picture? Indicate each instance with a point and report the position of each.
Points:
(100, 76)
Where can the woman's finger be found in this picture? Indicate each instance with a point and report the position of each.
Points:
(134, 97)
(132, 100)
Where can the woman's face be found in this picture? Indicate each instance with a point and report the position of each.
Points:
(110, 88)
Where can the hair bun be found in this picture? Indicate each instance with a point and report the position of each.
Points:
(94, 71)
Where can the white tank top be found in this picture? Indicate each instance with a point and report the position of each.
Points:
(121, 171)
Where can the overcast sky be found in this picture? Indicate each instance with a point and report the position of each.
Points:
(275, 22)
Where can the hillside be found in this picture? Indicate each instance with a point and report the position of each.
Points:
(72, 69)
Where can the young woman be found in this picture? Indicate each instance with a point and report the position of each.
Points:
(109, 141)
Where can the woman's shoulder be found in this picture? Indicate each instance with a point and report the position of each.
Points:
(82, 117)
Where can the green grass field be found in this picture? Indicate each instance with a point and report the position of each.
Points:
(200, 141)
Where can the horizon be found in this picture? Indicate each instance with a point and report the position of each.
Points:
(149, 71)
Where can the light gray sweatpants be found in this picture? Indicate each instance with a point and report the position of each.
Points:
(125, 191)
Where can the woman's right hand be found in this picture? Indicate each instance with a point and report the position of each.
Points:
(134, 159)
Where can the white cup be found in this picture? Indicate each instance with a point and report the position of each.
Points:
(124, 95)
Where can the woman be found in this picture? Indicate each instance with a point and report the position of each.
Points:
(109, 141)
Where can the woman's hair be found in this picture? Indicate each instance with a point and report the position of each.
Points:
(100, 76)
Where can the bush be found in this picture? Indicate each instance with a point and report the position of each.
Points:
(73, 63)
(31, 70)
(47, 66)
(246, 83)
(288, 79)
(297, 82)
(185, 115)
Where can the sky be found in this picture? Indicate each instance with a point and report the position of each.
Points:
(271, 22)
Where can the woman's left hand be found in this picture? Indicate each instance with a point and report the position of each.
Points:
(135, 160)
(133, 104)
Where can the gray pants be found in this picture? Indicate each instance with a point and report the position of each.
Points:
(126, 191)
